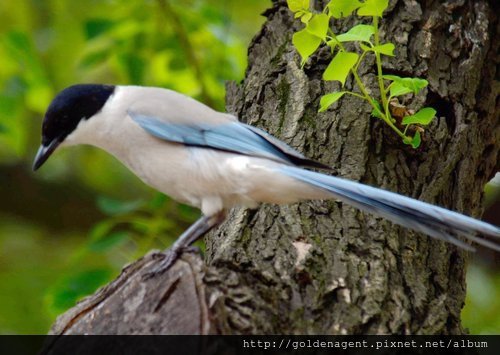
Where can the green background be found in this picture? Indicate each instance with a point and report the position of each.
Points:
(70, 227)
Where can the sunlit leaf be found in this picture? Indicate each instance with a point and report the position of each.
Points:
(414, 84)
(392, 77)
(398, 89)
(306, 16)
(424, 116)
(297, 5)
(306, 43)
(373, 8)
(328, 99)
(414, 142)
(332, 43)
(340, 66)
(318, 26)
(376, 113)
(386, 48)
(357, 33)
(343, 8)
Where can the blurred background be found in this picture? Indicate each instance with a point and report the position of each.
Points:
(70, 228)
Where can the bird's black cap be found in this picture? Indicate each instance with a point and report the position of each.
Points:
(65, 112)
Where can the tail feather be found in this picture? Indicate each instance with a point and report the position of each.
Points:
(432, 220)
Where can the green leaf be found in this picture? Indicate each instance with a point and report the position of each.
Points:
(423, 117)
(373, 8)
(328, 99)
(332, 43)
(357, 33)
(306, 17)
(107, 242)
(340, 66)
(365, 47)
(113, 207)
(306, 43)
(343, 8)
(376, 113)
(392, 77)
(297, 5)
(414, 142)
(398, 89)
(386, 48)
(318, 26)
(414, 84)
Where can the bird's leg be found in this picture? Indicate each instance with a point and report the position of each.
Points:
(197, 230)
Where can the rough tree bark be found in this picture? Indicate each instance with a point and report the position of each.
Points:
(324, 267)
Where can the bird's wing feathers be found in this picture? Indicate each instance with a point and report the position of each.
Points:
(229, 136)
(296, 157)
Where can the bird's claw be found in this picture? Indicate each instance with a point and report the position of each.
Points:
(168, 258)
(192, 249)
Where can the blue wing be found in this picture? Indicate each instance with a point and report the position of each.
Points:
(233, 137)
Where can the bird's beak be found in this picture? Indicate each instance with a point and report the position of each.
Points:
(44, 153)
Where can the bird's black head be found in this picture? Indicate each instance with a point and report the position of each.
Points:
(69, 107)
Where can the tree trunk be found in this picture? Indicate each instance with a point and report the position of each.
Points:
(323, 266)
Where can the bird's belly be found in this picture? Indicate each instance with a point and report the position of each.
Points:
(208, 179)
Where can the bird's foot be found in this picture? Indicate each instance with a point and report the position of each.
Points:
(168, 258)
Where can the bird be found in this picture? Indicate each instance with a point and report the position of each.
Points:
(210, 160)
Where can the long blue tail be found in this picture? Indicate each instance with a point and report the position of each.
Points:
(417, 215)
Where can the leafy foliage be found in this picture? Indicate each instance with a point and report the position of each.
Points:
(306, 43)
(345, 63)
(360, 33)
(343, 8)
(329, 99)
(483, 287)
(340, 66)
